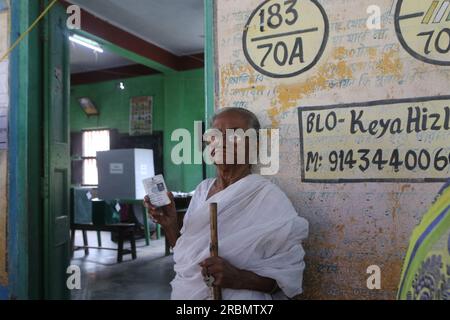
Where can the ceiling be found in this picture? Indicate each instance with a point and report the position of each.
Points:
(83, 59)
(174, 25)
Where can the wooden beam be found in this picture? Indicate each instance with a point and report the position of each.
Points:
(101, 29)
(190, 62)
(130, 71)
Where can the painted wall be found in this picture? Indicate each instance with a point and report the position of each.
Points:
(4, 102)
(185, 103)
(178, 102)
(360, 213)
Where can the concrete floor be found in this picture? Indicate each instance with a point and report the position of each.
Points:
(102, 278)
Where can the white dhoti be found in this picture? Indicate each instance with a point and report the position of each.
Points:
(259, 231)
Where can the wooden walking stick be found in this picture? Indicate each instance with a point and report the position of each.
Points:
(214, 246)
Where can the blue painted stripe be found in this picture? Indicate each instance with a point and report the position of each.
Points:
(444, 187)
(4, 293)
(13, 152)
(421, 239)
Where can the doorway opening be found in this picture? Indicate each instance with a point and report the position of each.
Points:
(137, 74)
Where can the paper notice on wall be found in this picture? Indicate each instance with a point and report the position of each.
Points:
(379, 141)
(141, 109)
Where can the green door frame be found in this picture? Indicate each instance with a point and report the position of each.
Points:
(32, 231)
(25, 162)
(210, 68)
(210, 57)
(56, 155)
(25, 156)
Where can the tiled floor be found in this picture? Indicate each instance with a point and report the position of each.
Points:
(146, 278)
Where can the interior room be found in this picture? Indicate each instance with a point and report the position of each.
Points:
(224, 150)
(123, 101)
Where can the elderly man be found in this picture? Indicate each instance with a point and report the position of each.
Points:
(260, 232)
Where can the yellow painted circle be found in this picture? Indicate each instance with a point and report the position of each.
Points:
(284, 38)
(423, 28)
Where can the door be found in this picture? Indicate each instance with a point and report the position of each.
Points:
(56, 154)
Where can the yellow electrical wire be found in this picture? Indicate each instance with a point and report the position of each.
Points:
(23, 35)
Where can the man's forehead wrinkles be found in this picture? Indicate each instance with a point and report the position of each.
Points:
(232, 130)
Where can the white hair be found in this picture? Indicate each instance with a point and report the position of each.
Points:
(252, 119)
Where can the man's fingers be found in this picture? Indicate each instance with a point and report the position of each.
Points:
(215, 269)
(218, 281)
(148, 204)
(154, 211)
(147, 200)
(154, 215)
(211, 261)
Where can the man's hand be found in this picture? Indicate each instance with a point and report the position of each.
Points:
(166, 216)
(228, 276)
(225, 274)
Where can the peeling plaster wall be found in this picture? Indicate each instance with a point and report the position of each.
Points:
(352, 225)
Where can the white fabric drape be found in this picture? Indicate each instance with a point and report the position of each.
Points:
(259, 231)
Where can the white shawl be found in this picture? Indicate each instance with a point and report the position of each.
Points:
(259, 231)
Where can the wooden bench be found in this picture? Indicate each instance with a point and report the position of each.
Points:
(125, 231)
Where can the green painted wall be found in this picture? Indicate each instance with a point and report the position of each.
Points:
(185, 103)
(178, 101)
(114, 103)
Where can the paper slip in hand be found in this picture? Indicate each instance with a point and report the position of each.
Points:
(156, 190)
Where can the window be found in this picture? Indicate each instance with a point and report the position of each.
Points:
(93, 141)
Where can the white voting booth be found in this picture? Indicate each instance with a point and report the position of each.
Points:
(120, 173)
